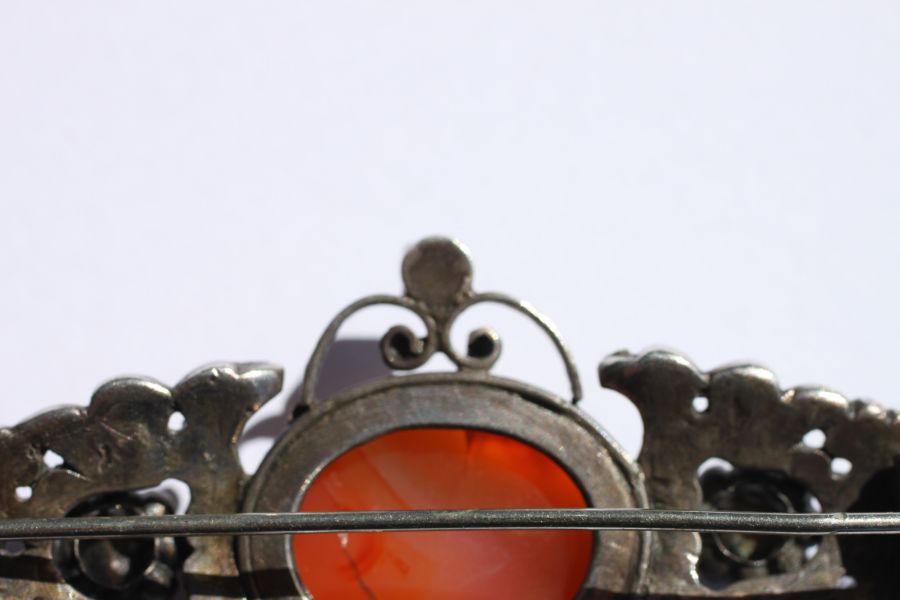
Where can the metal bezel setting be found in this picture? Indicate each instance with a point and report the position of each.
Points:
(237, 528)
(464, 400)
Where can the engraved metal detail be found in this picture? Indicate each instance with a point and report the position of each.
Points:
(716, 445)
(762, 434)
(120, 443)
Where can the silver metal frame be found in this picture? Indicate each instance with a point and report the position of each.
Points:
(655, 523)
(470, 400)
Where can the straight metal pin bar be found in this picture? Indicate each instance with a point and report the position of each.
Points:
(446, 520)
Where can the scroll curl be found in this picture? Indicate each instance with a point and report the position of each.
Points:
(437, 273)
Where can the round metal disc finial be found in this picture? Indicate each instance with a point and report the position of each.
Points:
(438, 271)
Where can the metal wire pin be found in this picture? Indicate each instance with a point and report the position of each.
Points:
(422, 520)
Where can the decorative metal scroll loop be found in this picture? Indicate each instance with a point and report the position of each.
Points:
(437, 274)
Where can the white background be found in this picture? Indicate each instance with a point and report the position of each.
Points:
(188, 182)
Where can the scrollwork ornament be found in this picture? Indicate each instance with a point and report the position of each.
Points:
(120, 444)
(733, 439)
(437, 274)
(730, 440)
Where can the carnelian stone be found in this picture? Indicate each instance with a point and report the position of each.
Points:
(434, 468)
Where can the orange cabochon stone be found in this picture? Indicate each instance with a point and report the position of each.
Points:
(436, 468)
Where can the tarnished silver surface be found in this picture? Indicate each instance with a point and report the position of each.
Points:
(122, 442)
(741, 416)
(756, 522)
(467, 400)
(437, 274)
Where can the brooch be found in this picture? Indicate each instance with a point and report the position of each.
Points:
(459, 484)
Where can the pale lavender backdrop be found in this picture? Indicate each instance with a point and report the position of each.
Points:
(187, 182)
